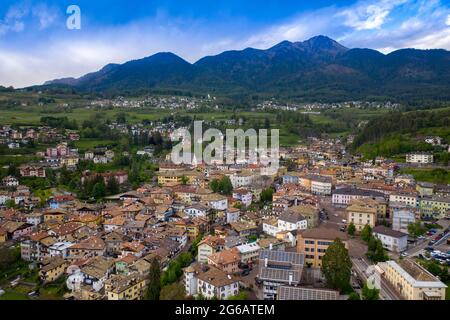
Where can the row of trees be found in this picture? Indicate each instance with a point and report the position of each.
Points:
(158, 281)
(398, 122)
(222, 186)
(336, 267)
(375, 250)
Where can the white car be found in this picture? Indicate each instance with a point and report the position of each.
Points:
(404, 254)
(344, 221)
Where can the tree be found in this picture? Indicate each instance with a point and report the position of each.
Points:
(184, 180)
(215, 185)
(351, 229)
(174, 291)
(366, 233)
(336, 266)
(375, 250)
(112, 187)
(13, 170)
(354, 296)
(243, 295)
(64, 176)
(222, 186)
(8, 257)
(370, 294)
(226, 187)
(416, 229)
(267, 195)
(154, 283)
(99, 190)
(121, 117)
(10, 203)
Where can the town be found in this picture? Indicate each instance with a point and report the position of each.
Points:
(122, 221)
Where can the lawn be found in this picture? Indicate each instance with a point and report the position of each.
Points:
(11, 295)
(87, 144)
(429, 175)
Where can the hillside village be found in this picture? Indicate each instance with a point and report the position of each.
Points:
(101, 231)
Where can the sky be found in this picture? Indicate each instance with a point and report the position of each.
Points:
(36, 45)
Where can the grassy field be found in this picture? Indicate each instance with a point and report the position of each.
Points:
(87, 144)
(25, 111)
(429, 175)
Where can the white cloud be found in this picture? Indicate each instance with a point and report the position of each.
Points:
(383, 25)
(45, 15)
(13, 19)
(369, 15)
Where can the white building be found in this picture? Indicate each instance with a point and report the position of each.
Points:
(10, 181)
(401, 218)
(197, 210)
(342, 197)
(59, 249)
(321, 185)
(410, 200)
(216, 201)
(233, 215)
(289, 221)
(395, 241)
(419, 157)
(244, 196)
(210, 282)
(249, 252)
(241, 179)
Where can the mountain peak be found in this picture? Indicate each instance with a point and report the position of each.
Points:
(165, 57)
(320, 43)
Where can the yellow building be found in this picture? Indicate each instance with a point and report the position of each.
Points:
(413, 281)
(54, 215)
(361, 213)
(53, 269)
(314, 242)
(208, 246)
(3, 235)
(69, 161)
(120, 287)
(310, 212)
(380, 205)
(173, 177)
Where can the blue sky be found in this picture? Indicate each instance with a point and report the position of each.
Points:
(35, 44)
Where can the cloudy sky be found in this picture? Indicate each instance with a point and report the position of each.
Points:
(35, 44)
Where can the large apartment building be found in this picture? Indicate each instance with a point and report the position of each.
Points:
(360, 214)
(413, 281)
(343, 196)
(419, 157)
(278, 268)
(314, 242)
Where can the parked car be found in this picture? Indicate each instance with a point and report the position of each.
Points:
(246, 272)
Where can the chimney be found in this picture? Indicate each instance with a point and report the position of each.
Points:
(270, 246)
(266, 261)
(290, 278)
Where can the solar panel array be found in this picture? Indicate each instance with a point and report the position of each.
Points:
(280, 275)
(282, 256)
(299, 293)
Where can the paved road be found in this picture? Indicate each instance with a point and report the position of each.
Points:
(422, 244)
(386, 291)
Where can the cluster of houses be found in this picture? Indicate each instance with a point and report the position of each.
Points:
(105, 250)
(15, 138)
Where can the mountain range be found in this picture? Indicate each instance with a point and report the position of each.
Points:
(314, 70)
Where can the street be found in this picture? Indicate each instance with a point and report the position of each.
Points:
(360, 266)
